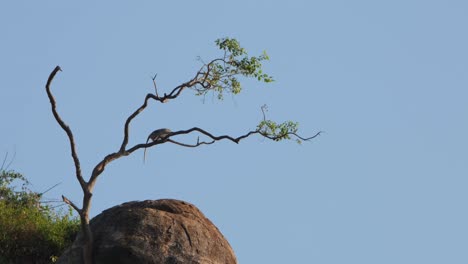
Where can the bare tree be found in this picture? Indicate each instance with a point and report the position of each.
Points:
(219, 76)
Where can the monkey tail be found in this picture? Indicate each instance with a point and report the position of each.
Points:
(144, 153)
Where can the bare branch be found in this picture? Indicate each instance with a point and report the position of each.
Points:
(129, 119)
(154, 84)
(191, 146)
(288, 134)
(65, 200)
(182, 132)
(99, 168)
(66, 128)
(215, 138)
(309, 138)
(142, 146)
(172, 95)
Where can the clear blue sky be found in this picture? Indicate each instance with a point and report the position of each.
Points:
(386, 80)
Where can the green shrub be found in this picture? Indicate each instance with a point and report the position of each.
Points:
(31, 232)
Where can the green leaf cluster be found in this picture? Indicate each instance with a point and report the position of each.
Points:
(9, 195)
(277, 131)
(221, 75)
(31, 232)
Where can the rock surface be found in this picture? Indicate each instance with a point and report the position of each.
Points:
(162, 231)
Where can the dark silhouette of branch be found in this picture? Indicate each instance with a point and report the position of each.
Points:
(290, 134)
(66, 128)
(154, 84)
(87, 192)
(201, 78)
(216, 138)
(172, 95)
(213, 137)
(129, 119)
(189, 145)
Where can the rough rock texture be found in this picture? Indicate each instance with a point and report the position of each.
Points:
(162, 231)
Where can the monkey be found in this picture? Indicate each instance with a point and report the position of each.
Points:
(158, 134)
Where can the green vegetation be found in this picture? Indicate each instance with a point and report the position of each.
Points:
(220, 75)
(30, 231)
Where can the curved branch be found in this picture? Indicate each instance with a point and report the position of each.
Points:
(191, 146)
(309, 138)
(129, 119)
(142, 146)
(99, 168)
(111, 157)
(183, 132)
(288, 134)
(216, 138)
(66, 128)
(172, 95)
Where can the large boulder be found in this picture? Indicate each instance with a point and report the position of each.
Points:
(162, 231)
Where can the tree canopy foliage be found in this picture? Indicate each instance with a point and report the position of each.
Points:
(220, 75)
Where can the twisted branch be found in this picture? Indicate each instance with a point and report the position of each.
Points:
(87, 192)
(213, 137)
(66, 128)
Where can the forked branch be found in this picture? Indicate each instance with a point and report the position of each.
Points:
(87, 193)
